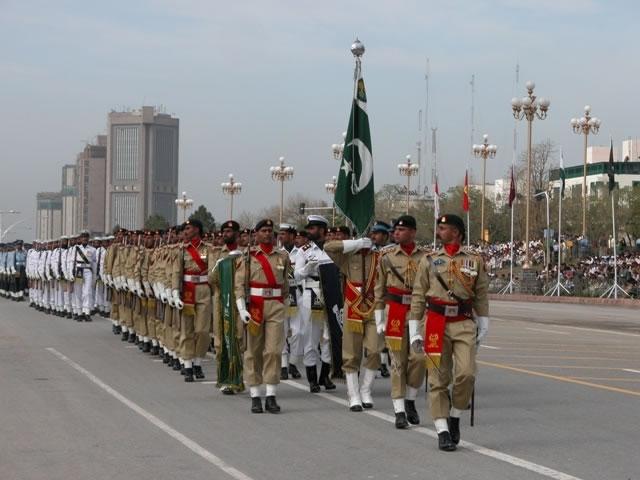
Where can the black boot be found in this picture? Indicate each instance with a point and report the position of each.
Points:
(146, 347)
(137, 341)
(155, 350)
(256, 405)
(293, 371)
(325, 371)
(132, 337)
(69, 315)
(113, 329)
(165, 358)
(87, 318)
(125, 336)
(445, 443)
(401, 421)
(78, 318)
(188, 375)
(271, 405)
(384, 371)
(284, 373)
(176, 365)
(312, 378)
(454, 429)
(412, 413)
(197, 371)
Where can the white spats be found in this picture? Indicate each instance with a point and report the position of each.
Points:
(271, 390)
(441, 425)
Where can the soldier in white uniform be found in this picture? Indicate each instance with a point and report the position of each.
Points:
(67, 276)
(312, 315)
(290, 349)
(100, 303)
(84, 259)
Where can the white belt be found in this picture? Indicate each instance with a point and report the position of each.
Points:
(266, 292)
(311, 284)
(195, 278)
(406, 299)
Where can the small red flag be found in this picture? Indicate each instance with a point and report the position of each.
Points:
(465, 192)
(512, 189)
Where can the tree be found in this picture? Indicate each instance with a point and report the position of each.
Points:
(156, 222)
(208, 222)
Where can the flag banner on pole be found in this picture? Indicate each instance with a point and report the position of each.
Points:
(465, 192)
(563, 174)
(512, 189)
(354, 195)
(611, 170)
(436, 199)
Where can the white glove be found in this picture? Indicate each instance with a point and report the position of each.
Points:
(349, 246)
(131, 285)
(163, 296)
(415, 338)
(169, 295)
(176, 300)
(380, 321)
(310, 269)
(147, 288)
(138, 289)
(483, 328)
(245, 316)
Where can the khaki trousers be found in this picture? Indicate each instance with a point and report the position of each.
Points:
(168, 328)
(407, 368)
(194, 330)
(115, 312)
(263, 356)
(459, 343)
(353, 344)
(139, 315)
(150, 318)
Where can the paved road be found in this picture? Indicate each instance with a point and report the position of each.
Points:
(556, 399)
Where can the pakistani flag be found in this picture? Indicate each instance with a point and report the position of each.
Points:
(611, 169)
(563, 174)
(354, 194)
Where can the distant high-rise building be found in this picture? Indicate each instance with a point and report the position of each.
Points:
(69, 196)
(92, 180)
(141, 168)
(48, 215)
(631, 150)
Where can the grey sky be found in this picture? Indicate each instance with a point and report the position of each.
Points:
(254, 80)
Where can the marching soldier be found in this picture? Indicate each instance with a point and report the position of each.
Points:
(451, 285)
(312, 314)
(358, 263)
(111, 273)
(192, 295)
(260, 286)
(394, 284)
(84, 261)
(286, 239)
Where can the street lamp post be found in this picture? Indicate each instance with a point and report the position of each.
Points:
(484, 151)
(529, 108)
(408, 169)
(547, 259)
(281, 173)
(184, 203)
(338, 148)
(231, 188)
(331, 190)
(585, 125)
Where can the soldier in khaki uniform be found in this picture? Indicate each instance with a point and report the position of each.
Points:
(451, 284)
(172, 310)
(262, 275)
(191, 282)
(396, 274)
(230, 235)
(145, 324)
(358, 262)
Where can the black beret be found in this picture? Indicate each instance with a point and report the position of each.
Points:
(344, 229)
(453, 220)
(195, 223)
(246, 231)
(232, 224)
(405, 221)
(263, 223)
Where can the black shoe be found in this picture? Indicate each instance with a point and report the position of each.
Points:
(324, 380)
(125, 336)
(384, 371)
(401, 421)
(454, 429)
(188, 375)
(77, 318)
(69, 315)
(183, 370)
(355, 408)
(176, 365)
(197, 371)
(113, 329)
(312, 378)
(445, 443)
(87, 318)
(155, 350)
(412, 413)
(256, 405)
(228, 391)
(165, 358)
(293, 371)
(270, 404)
(284, 373)
(137, 340)
(146, 347)
(132, 337)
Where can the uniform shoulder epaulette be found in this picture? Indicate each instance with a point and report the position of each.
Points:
(305, 247)
(387, 248)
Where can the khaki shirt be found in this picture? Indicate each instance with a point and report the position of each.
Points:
(404, 264)
(248, 265)
(464, 274)
(184, 262)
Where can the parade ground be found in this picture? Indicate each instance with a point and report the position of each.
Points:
(558, 395)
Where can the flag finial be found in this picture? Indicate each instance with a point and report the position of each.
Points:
(357, 48)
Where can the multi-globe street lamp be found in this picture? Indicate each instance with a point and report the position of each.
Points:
(231, 188)
(331, 190)
(281, 173)
(408, 169)
(184, 203)
(529, 108)
(484, 151)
